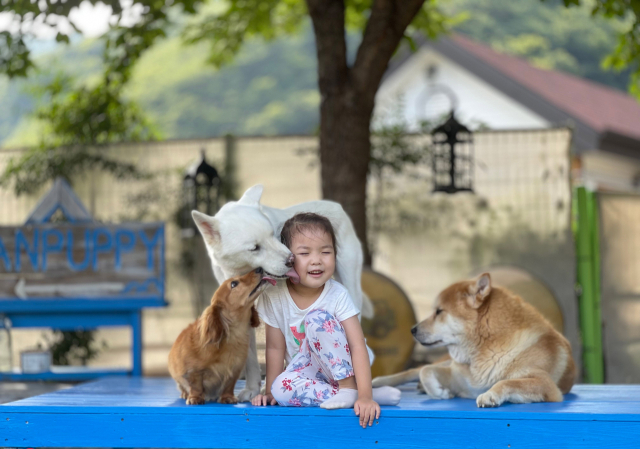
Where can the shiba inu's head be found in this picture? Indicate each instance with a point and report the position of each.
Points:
(240, 238)
(455, 314)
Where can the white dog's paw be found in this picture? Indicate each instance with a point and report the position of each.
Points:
(433, 387)
(489, 399)
(246, 394)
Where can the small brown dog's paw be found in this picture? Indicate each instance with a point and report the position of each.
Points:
(184, 395)
(195, 400)
(228, 400)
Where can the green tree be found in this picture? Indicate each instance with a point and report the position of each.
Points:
(547, 34)
(627, 52)
(80, 121)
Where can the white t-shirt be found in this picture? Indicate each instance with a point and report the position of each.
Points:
(277, 308)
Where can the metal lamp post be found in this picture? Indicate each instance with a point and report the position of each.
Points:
(201, 187)
(452, 160)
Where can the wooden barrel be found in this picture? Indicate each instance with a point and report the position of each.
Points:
(388, 334)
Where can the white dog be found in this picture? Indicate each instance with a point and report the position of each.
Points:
(245, 235)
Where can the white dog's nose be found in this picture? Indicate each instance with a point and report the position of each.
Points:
(290, 260)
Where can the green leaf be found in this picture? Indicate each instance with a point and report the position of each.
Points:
(62, 38)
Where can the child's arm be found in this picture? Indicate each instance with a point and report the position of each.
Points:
(365, 406)
(276, 346)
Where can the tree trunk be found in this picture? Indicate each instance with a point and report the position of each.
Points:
(348, 97)
(344, 156)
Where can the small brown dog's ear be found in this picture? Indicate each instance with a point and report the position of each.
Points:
(480, 290)
(255, 318)
(214, 326)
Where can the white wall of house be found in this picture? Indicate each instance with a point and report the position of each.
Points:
(479, 103)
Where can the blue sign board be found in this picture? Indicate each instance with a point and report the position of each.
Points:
(82, 261)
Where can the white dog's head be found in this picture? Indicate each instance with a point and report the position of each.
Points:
(240, 238)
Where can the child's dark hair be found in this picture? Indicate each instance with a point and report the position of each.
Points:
(303, 221)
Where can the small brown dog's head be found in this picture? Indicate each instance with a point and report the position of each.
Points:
(455, 313)
(232, 304)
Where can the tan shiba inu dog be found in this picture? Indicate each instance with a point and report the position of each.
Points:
(501, 348)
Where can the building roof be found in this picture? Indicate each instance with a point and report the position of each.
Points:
(602, 117)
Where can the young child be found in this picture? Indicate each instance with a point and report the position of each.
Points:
(313, 326)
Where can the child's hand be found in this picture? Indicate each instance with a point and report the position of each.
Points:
(264, 399)
(367, 410)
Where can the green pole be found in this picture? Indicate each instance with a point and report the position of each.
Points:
(596, 274)
(588, 274)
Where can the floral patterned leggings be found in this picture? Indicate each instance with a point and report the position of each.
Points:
(324, 358)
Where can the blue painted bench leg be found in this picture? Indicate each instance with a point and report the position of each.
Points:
(136, 344)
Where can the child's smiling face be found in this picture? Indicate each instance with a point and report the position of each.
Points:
(315, 257)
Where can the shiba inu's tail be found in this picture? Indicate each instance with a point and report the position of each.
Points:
(411, 375)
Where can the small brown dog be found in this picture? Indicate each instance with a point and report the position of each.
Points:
(208, 356)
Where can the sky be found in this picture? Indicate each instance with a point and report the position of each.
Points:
(92, 21)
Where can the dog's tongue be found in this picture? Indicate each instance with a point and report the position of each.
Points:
(269, 280)
(293, 276)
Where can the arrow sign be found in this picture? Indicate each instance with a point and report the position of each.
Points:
(22, 290)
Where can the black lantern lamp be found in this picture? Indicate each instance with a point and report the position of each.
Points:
(201, 187)
(452, 160)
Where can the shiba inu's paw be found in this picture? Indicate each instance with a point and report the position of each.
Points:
(228, 400)
(439, 392)
(247, 394)
(195, 400)
(433, 387)
(489, 399)
(381, 381)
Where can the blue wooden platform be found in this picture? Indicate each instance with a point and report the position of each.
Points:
(147, 412)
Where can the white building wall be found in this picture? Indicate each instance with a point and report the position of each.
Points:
(479, 103)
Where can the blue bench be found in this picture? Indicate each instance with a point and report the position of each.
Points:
(147, 413)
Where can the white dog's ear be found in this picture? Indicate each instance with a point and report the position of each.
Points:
(481, 290)
(252, 196)
(208, 227)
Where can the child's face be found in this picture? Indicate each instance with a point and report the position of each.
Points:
(315, 257)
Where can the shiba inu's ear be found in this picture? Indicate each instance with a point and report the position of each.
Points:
(208, 227)
(252, 196)
(481, 290)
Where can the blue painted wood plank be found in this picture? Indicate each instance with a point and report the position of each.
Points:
(71, 320)
(160, 396)
(293, 432)
(65, 374)
(147, 412)
(80, 304)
